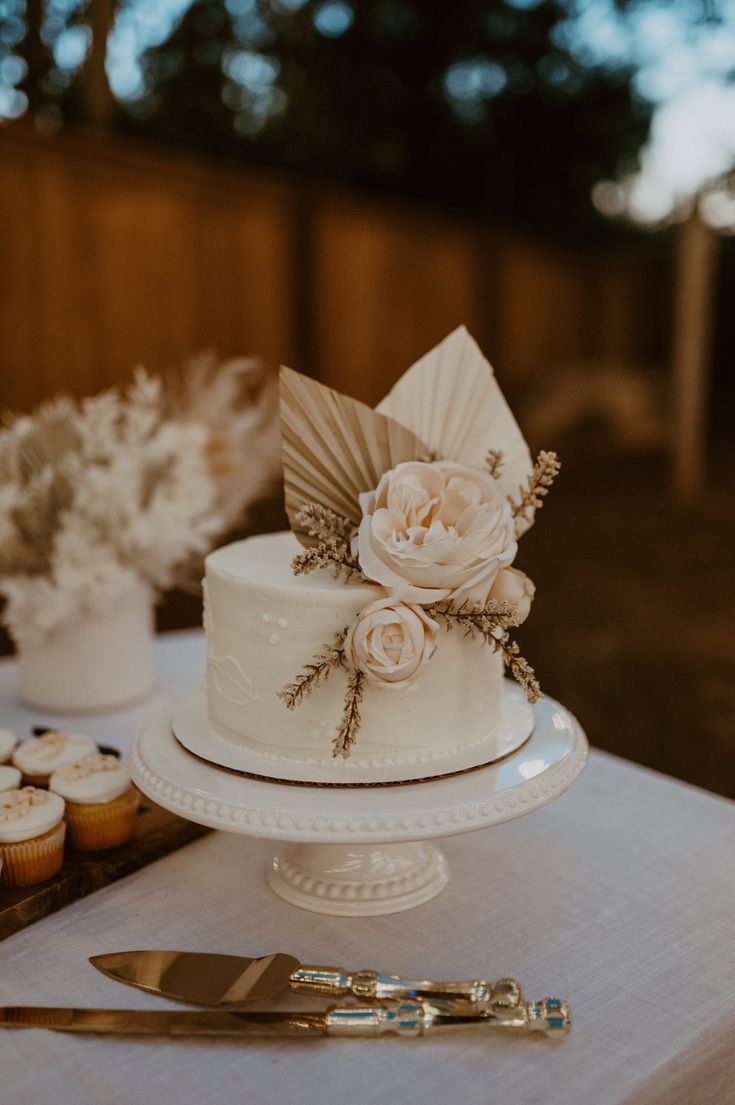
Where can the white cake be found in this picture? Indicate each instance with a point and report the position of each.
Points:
(263, 624)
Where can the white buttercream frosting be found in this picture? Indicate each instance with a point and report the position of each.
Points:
(27, 813)
(263, 624)
(8, 741)
(9, 777)
(44, 755)
(96, 778)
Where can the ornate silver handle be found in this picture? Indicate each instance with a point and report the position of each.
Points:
(477, 994)
(550, 1016)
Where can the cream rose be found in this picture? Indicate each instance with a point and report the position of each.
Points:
(391, 642)
(431, 532)
(516, 589)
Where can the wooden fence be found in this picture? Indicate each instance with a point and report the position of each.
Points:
(114, 255)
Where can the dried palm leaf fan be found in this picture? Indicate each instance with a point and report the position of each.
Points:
(448, 405)
(335, 447)
(451, 400)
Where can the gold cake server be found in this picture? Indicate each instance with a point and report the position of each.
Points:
(409, 1018)
(230, 981)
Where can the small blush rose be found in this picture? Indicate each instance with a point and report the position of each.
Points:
(515, 588)
(435, 532)
(391, 642)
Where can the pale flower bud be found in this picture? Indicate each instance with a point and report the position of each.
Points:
(515, 588)
(391, 642)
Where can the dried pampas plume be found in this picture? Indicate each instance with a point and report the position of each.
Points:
(132, 485)
(236, 401)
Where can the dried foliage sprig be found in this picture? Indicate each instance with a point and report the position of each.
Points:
(490, 623)
(315, 672)
(351, 721)
(483, 621)
(236, 403)
(325, 524)
(494, 462)
(520, 668)
(531, 497)
(327, 554)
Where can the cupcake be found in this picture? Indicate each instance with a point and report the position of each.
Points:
(101, 802)
(8, 742)
(31, 836)
(37, 759)
(9, 777)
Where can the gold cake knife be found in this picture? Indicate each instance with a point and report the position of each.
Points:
(410, 1018)
(230, 981)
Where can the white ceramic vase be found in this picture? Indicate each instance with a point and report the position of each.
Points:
(93, 663)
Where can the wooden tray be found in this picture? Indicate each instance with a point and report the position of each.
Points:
(158, 833)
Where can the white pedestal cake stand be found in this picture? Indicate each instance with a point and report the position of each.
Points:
(361, 851)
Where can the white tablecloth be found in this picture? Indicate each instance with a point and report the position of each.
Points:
(619, 896)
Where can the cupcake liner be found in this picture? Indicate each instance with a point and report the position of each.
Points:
(26, 862)
(94, 826)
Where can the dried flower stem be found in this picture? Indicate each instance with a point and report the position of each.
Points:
(531, 497)
(351, 721)
(477, 620)
(327, 554)
(520, 668)
(494, 461)
(490, 623)
(325, 524)
(314, 673)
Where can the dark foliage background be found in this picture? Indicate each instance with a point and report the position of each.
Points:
(485, 107)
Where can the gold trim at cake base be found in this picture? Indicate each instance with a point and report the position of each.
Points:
(194, 732)
(345, 786)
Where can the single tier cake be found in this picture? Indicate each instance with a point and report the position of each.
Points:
(261, 623)
(369, 643)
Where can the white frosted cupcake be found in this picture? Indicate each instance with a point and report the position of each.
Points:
(101, 802)
(9, 777)
(8, 742)
(37, 759)
(31, 836)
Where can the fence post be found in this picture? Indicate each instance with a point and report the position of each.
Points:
(694, 286)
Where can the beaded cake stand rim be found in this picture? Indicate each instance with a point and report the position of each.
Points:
(553, 757)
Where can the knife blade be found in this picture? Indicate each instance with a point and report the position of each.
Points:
(410, 1018)
(230, 981)
(156, 1022)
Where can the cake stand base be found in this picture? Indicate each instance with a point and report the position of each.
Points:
(360, 851)
(352, 880)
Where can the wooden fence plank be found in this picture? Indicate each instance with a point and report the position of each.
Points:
(388, 286)
(20, 343)
(115, 254)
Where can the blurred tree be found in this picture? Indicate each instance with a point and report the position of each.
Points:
(476, 105)
(98, 104)
(35, 55)
(184, 82)
(61, 52)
